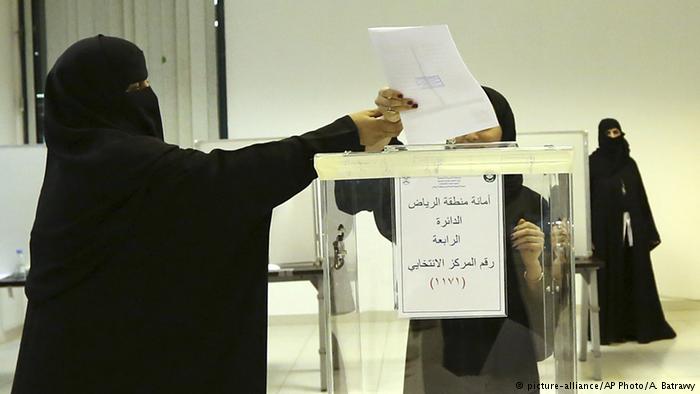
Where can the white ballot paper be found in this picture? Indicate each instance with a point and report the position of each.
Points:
(423, 63)
(450, 259)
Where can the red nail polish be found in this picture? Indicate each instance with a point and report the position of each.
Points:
(400, 95)
(415, 106)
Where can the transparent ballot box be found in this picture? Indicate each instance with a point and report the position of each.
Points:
(448, 269)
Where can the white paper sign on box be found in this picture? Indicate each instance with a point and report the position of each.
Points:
(450, 258)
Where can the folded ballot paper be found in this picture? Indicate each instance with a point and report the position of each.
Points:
(424, 64)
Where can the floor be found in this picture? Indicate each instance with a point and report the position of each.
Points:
(670, 361)
(293, 357)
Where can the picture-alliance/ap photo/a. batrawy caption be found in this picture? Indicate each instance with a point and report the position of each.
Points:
(653, 386)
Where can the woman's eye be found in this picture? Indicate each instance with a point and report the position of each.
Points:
(135, 87)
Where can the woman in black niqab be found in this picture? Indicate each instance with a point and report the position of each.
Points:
(624, 234)
(149, 262)
(102, 143)
(490, 355)
(484, 355)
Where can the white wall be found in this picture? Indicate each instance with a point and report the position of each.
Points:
(293, 66)
(10, 115)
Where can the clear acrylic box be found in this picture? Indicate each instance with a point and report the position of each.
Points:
(425, 291)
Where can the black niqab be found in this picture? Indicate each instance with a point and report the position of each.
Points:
(614, 152)
(86, 90)
(511, 183)
(504, 113)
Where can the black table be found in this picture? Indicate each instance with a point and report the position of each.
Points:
(14, 280)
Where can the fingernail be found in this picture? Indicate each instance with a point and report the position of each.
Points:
(409, 102)
(415, 106)
(400, 95)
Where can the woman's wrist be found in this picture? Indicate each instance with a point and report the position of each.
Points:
(532, 263)
(533, 271)
(530, 276)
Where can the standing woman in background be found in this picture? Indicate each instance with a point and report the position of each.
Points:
(149, 262)
(624, 234)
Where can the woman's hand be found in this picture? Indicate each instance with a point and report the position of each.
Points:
(374, 131)
(377, 127)
(561, 244)
(391, 102)
(528, 240)
(561, 241)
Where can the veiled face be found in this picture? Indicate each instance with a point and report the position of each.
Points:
(493, 134)
(614, 133)
(136, 86)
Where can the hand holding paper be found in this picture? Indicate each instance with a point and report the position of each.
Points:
(375, 132)
(390, 102)
(378, 126)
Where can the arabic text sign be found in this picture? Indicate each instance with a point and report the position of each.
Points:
(451, 260)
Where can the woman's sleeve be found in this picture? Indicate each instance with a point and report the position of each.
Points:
(533, 295)
(654, 238)
(263, 176)
(600, 206)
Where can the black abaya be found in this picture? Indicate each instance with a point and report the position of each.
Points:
(149, 262)
(630, 308)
